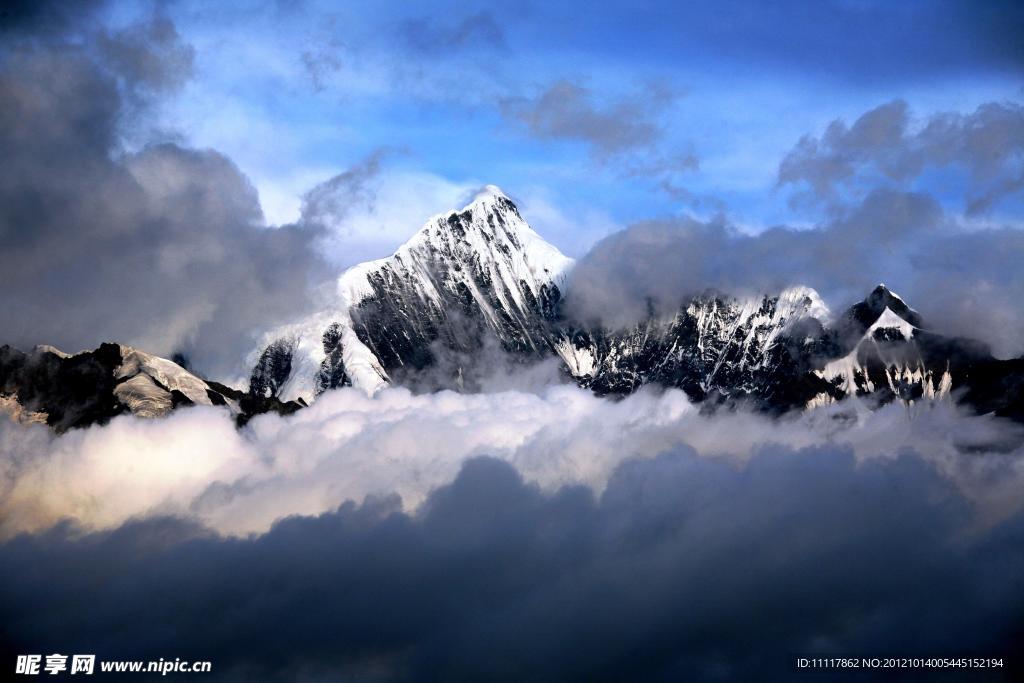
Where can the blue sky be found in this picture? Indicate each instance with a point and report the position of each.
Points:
(652, 110)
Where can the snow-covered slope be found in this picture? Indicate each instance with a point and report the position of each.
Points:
(146, 384)
(480, 272)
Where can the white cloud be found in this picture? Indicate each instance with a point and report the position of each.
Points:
(348, 446)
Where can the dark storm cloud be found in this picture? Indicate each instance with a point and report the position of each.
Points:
(884, 146)
(684, 568)
(664, 262)
(162, 248)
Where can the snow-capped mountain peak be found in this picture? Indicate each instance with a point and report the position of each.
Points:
(146, 383)
(886, 356)
(715, 343)
(480, 269)
(488, 229)
(882, 298)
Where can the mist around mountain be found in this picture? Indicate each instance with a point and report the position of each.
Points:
(476, 293)
(477, 287)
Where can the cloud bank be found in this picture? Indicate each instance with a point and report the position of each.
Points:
(680, 566)
(186, 264)
(965, 283)
(545, 535)
(347, 446)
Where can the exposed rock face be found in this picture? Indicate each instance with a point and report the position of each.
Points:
(67, 391)
(273, 369)
(716, 346)
(71, 391)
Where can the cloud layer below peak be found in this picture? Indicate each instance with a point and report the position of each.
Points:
(630, 539)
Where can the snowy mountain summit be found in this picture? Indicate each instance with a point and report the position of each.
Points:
(466, 278)
(478, 284)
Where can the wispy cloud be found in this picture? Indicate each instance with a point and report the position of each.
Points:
(625, 133)
(438, 37)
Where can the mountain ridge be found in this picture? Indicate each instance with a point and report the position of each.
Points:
(467, 281)
(67, 391)
(479, 281)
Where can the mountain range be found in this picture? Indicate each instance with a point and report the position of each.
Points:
(478, 287)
